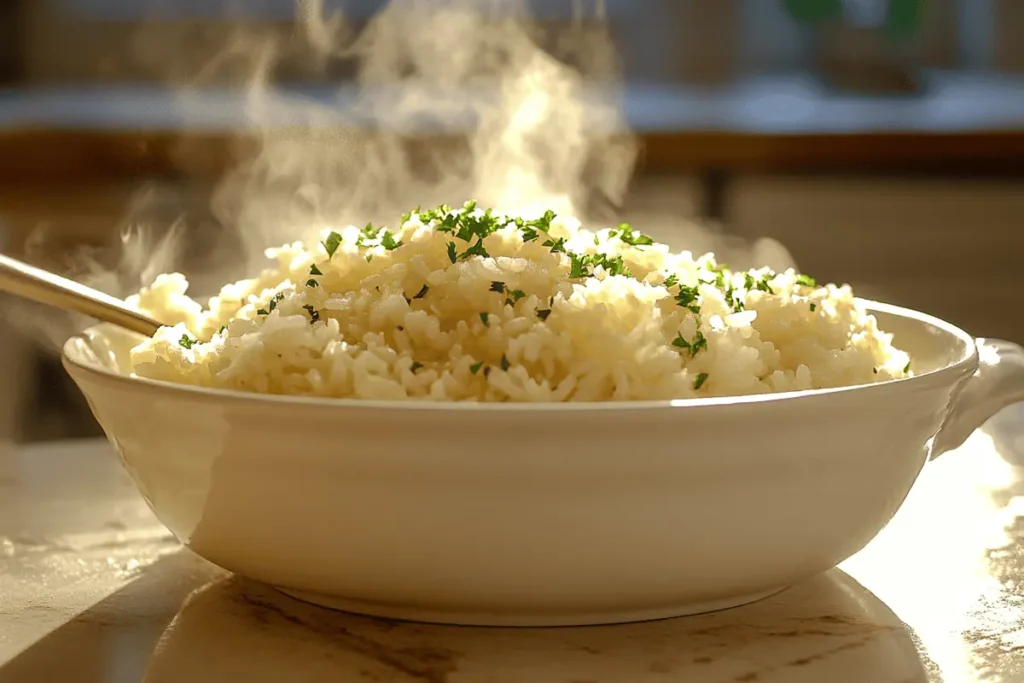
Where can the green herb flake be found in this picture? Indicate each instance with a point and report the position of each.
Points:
(332, 243)
(814, 307)
(544, 313)
(633, 238)
(516, 294)
(223, 329)
(187, 341)
(763, 285)
(670, 281)
(389, 242)
(806, 281)
(906, 368)
(273, 303)
(475, 367)
(262, 311)
(556, 246)
(312, 283)
(314, 314)
(504, 363)
(497, 286)
(313, 270)
(451, 252)
(475, 250)
(422, 293)
(580, 265)
(483, 319)
(687, 298)
(532, 229)
(577, 266)
(699, 343)
(699, 382)
(368, 234)
(415, 366)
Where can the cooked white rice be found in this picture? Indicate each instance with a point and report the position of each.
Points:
(458, 305)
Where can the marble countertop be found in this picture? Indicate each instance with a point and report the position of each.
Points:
(93, 589)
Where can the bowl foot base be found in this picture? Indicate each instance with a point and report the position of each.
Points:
(520, 619)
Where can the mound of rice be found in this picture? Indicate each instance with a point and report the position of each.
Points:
(465, 305)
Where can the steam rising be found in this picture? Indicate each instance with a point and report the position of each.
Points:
(508, 124)
(457, 99)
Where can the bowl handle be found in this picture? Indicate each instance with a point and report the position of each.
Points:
(997, 383)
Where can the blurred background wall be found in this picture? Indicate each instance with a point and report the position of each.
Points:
(881, 141)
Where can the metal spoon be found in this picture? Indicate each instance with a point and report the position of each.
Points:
(45, 287)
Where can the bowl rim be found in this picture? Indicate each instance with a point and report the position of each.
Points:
(967, 360)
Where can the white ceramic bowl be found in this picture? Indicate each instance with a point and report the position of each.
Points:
(541, 514)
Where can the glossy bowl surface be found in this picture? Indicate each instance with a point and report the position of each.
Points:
(556, 514)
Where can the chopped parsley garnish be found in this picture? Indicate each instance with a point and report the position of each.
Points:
(544, 313)
(514, 295)
(531, 229)
(313, 270)
(557, 246)
(451, 252)
(272, 305)
(580, 265)
(475, 250)
(475, 367)
(631, 237)
(814, 307)
(367, 234)
(389, 242)
(422, 293)
(761, 284)
(187, 341)
(699, 343)
(312, 283)
(699, 382)
(806, 281)
(332, 243)
(223, 329)
(670, 281)
(314, 314)
(415, 366)
(906, 368)
(484, 320)
(504, 363)
(497, 286)
(687, 298)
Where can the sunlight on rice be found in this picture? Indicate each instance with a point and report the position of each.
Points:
(463, 305)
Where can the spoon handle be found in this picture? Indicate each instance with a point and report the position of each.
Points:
(45, 287)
